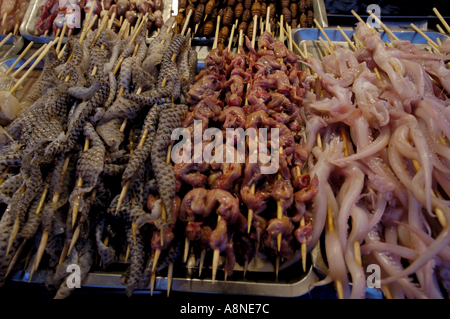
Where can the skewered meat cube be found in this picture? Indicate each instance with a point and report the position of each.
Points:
(303, 21)
(285, 3)
(131, 16)
(179, 18)
(287, 14)
(182, 4)
(199, 13)
(189, 8)
(208, 29)
(263, 9)
(122, 7)
(238, 10)
(247, 15)
(228, 16)
(294, 10)
(250, 30)
(209, 7)
(223, 34)
(243, 26)
(302, 6)
(144, 6)
(310, 18)
(256, 9)
(221, 13)
(294, 23)
(272, 12)
(159, 21)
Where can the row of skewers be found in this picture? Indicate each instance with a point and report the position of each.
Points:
(241, 13)
(277, 94)
(68, 17)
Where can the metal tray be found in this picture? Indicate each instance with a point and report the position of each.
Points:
(28, 29)
(10, 49)
(310, 37)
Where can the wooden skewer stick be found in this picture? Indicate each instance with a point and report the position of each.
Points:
(41, 56)
(231, 37)
(135, 34)
(434, 44)
(447, 27)
(324, 34)
(16, 225)
(20, 57)
(77, 231)
(255, 26)
(327, 48)
(216, 255)
(58, 46)
(350, 43)
(5, 16)
(34, 56)
(6, 39)
(16, 28)
(295, 45)
(385, 28)
(438, 26)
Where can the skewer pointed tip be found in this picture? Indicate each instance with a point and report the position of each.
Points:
(215, 264)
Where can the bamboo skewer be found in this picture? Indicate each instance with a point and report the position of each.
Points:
(58, 46)
(16, 225)
(295, 45)
(430, 41)
(6, 39)
(324, 33)
(135, 34)
(447, 27)
(438, 26)
(19, 58)
(34, 56)
(41, 56)
(385, 28)
(350, 43)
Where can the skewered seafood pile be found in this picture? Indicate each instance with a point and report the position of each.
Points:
(297, 14)
(11, 14)
(53, 15)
